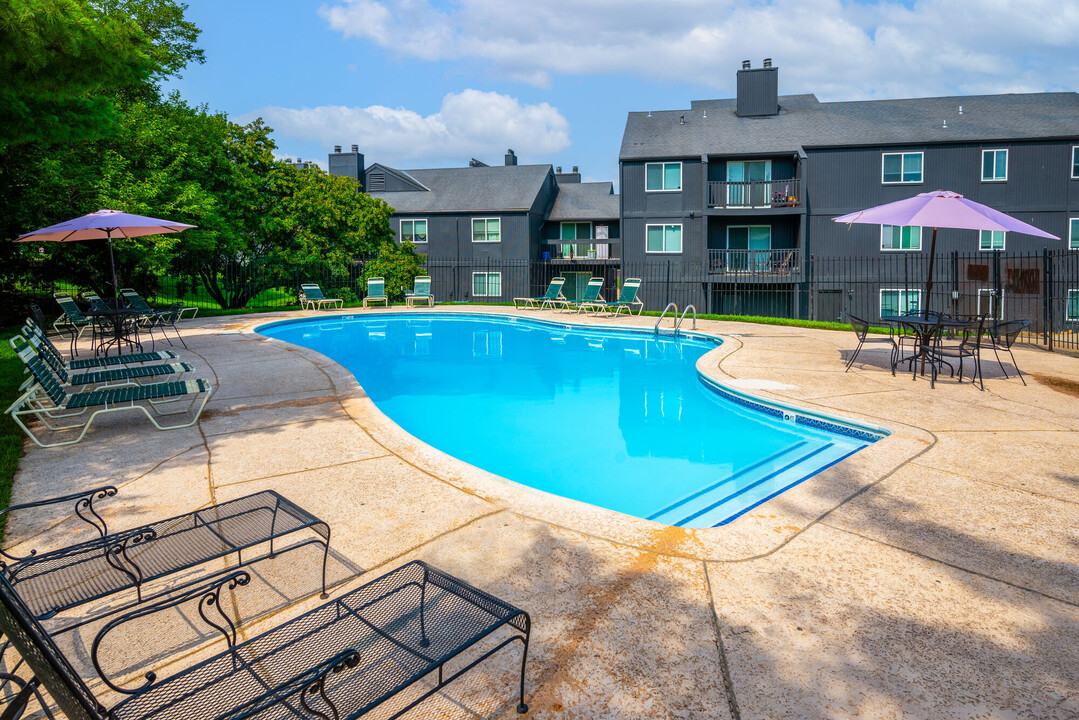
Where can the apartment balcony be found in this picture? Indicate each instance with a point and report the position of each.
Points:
(755, 266)
(581, 252)
(783, 196)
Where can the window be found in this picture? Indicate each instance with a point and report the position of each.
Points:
(663, 177)
(994, 165)
(1073, 234)
(663, 238)
(486, 230)
(747, 183)
(486, 284)
(577, 231)
(991, 240)
(747, 239)
(415, 231)
(1075, 161)
(899, 302)
(901, 167)
(1072, 312)
(894, 237)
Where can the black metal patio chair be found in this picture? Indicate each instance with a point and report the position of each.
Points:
(166, 318)
(58, 580)
(965, 343)
(337, 661)
(1002, 336)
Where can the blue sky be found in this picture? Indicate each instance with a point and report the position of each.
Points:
(417, 83)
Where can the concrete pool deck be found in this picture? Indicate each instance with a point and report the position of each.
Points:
(935, 574)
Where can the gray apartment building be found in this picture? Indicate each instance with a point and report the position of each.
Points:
(735, 197)
(492, 233)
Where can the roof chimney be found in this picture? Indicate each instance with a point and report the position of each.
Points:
(511, 157)
(758, 90)
(575, 169)
(337, 148)
(558, 169)
(355, 148)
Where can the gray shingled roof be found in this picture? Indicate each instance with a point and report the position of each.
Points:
(803, 121)
(585, 201)
(472, 189)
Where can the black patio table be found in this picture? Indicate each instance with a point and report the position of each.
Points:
(120, 325)
(926, 329)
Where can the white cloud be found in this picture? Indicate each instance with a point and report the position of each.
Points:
(838, 50)
(471, 123)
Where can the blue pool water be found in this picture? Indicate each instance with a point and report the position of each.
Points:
(618, 419)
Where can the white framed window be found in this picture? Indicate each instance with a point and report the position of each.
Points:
(415, 231)
(486, 284)
(994, 165)
(486, 230)
(896, 237)
(899, 168)
(663, 177)
(1075, 161)
(991, 239)
(1073, 234)
(663, 238)
(1071, 313)
(900, 302)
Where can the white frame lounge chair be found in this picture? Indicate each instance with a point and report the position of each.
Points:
(592, 296)
(376, 293)
(627, 299)
(421, 292)
(312, 298)
(552, 297)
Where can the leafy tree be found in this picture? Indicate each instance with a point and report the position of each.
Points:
(398, 264)
(59, 62)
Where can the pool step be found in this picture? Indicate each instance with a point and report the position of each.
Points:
(721, 502)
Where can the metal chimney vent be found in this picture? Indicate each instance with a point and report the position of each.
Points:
(337, 148)
(355, 148)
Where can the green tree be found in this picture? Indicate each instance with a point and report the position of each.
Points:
(399, 265)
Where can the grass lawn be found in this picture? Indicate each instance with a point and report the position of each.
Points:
(11, 437)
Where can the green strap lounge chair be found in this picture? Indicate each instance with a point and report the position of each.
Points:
(71, 320)
(551, 298)
(590, 297)
(35, 334)
(104, 376)
(96, 303)
(376, 291)
(136, 302)
(312, 298)
(421, 292)
(58, 410)
(627, 299)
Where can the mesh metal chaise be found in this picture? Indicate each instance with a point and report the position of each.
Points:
(337, 661)
(53, 582)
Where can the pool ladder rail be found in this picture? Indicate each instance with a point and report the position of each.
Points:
(676, 319)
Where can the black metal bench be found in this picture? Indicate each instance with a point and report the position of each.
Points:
(52, 582)
(337, 661)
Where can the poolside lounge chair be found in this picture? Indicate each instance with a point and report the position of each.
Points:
(71, 319)
(590, 297)
(376, 291)
(54, 581)
(35, 335)
(135, 301)
(311, 298)
(552, 297)
(48, 401)
(627, 299)
(421, 292)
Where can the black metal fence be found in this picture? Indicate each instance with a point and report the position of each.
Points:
(1042, 287)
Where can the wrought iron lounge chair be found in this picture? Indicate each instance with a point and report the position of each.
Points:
(376, 292)
(57, 409)
(590, 297)
(71, 320)
(53, 582)
(35, 335)
(1002, 336)
(311, 298)
(552, 297)
(627, 299)
(421, 292)
(337, 661)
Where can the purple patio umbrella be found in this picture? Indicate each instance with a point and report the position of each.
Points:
(941, 209)
(104, 224)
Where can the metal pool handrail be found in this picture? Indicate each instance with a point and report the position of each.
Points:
(683, 317)
(664, 314)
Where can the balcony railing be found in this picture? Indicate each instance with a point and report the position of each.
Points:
(755, 194)
(582, 250)
(769, 263)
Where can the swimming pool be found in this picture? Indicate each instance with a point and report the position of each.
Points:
(615, 418)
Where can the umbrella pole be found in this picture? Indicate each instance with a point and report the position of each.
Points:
(929, 280)
(112, 264)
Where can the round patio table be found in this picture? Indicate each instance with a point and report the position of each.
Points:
(120, 325)
(926, 330)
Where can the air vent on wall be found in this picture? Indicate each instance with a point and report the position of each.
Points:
(376, 181)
